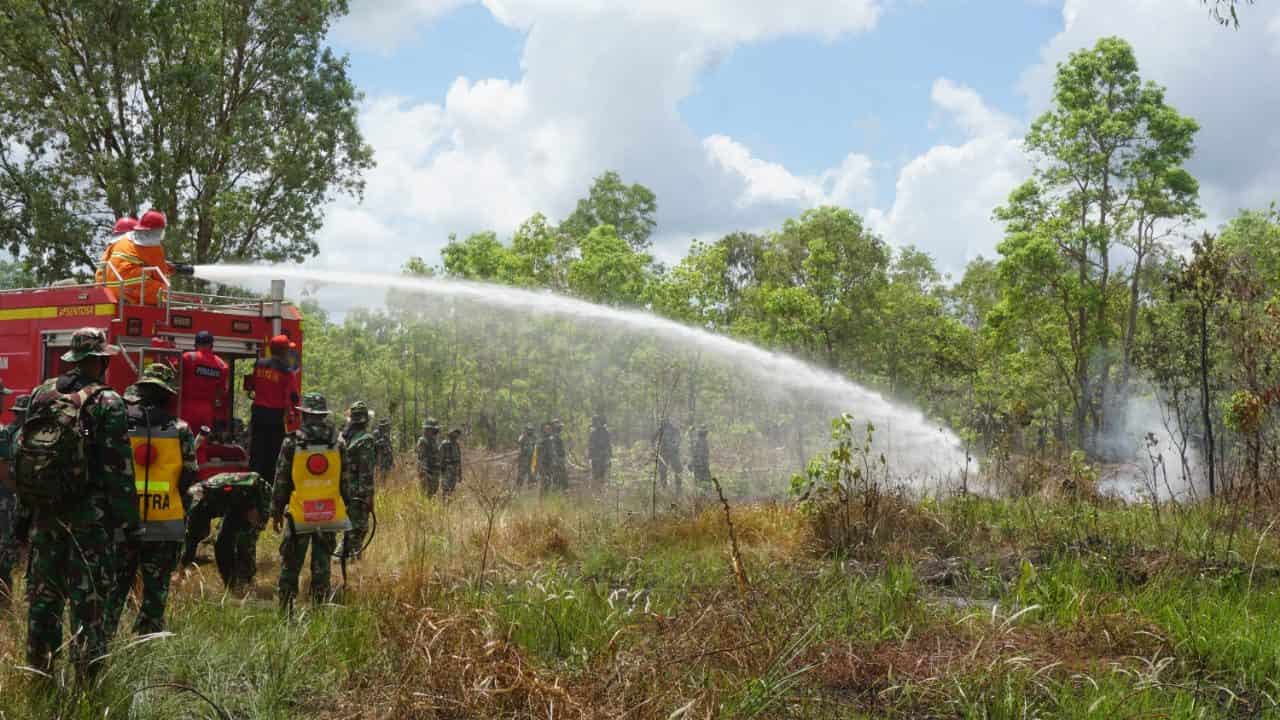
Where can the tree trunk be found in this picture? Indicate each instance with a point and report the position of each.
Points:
(1205, 404)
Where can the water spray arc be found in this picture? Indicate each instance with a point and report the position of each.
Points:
(916, 443)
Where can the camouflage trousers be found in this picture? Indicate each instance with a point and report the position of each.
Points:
(293, 551)
(358, 513)
(236, 552)
(155, 561)
(236, 548)
(452, 475)
(430, 482)
(68, 564)
(14, 525)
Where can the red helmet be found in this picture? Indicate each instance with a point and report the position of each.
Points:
(151, 220)
(280, 342)
(124, 225)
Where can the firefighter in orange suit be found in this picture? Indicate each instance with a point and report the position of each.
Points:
(135, 251)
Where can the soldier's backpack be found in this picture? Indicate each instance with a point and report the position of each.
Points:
(51, 463)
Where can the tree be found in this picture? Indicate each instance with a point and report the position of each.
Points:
(1201, 280)
(1109, 175)
(609, 271)
(628, 208)
(540, 254)
(829, 257)
(231, 116)
(480, 257)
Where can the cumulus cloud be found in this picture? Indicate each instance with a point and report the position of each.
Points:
(385, 24)
(945, 196)
(600, 90)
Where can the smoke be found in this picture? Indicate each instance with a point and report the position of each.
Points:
(917, 449)
(1157, 458)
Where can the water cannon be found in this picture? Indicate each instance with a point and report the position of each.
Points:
(183, 269)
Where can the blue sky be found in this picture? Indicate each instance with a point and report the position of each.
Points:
(741, 113)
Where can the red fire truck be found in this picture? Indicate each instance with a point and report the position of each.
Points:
(36, 326)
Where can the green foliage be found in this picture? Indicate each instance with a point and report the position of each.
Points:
(628, 208)
(232, 117)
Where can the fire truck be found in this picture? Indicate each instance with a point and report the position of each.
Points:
(36, 326)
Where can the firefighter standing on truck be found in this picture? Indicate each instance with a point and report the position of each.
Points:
(73, 471)
(164, 467)
(132, 253)
(306, 503)
(204, 384)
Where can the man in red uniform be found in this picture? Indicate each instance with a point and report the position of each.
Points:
(204, 383)
(275, 393)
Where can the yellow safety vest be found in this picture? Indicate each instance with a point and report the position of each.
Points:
(316, 502)
(157, 470)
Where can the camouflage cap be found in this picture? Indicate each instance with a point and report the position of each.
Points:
(160, 375)
(557, 423)
(314, 404)
(359, 412)
(89, 342)
(455, 432)
(21, 403)
(431, 424)
(702, 429)
(384, 422)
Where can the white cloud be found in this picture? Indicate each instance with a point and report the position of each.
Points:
(768, 182)
(944, 197)
(600, 90)
(385, 24)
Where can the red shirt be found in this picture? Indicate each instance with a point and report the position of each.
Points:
(274, 386)
(204, 384)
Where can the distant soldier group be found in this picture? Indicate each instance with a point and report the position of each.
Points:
(439, 463)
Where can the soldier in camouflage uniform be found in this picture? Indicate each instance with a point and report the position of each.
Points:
(8, 499)
(428, 452)
(242, 500)
(316, 430)
(358, 462)
(386, 453)
(71, 543)
(544, 460)
(528, 442)
(559, 456)
(700, 457)
(451, 462)
(600, 451)
(152, 548)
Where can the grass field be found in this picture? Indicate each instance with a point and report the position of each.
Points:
(589, 607)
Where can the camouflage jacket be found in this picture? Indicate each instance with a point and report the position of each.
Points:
(428, 451)
(450, 455)
(385, 450)
(7, 433)
(111, 495)
(233, 489)
(161, 419)
(320, 434)
(699, 452)
(360, 457)
(528, 442)
(600, 446)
